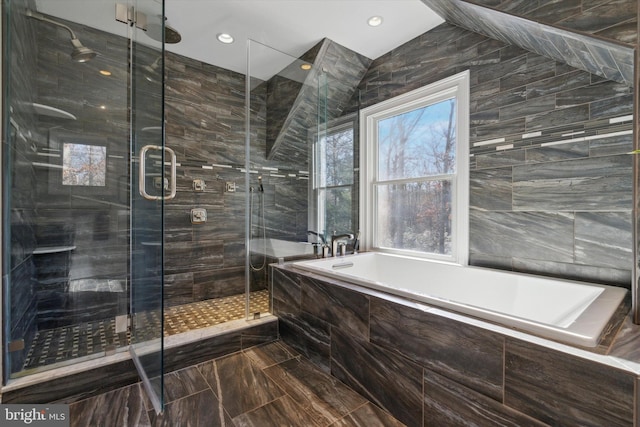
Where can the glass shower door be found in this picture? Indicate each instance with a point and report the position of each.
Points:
(150, 187)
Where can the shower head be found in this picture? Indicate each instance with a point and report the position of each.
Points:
(171, 35)
(260, 187)
(150, 72)
(80, 53)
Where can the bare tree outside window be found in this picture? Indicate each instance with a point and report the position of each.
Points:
(84, 165)
(336, 180)
(416, 165)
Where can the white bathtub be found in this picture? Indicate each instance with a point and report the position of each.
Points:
(572, 312)
(276, 248)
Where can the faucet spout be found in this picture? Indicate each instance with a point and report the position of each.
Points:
(335, 239)
(319, 236)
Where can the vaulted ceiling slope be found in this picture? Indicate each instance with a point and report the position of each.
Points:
(612, 60)
(615, 20)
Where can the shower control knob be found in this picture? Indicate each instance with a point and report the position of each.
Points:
(198, 216)
(161, 183)
(199, 185)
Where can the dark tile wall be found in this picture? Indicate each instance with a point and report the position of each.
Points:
(205, 114)
(613, 61)
(94, 220)
(610, 19)
(549, 171)
(19, 179)
(288, 128)
(428, 369)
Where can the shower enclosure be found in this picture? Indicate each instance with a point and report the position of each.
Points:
(132, 210)
(83, 133)
(302, 148)
(282, 94)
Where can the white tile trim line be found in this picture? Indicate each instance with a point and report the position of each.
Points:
(489, 142)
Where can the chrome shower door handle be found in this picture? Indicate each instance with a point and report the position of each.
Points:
(143, 166)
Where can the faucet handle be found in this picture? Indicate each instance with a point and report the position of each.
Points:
(342, 248)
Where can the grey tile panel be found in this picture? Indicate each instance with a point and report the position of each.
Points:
(230, 376)
(432, 342)
(604, 236)
(313, 399)
(449, 403)
(573, 185)
(342, 308)
(571, 271)
(574, 48)
(491, 189)
(181, 383)
(599, 17)
(552, 153)
(548, 236)
(198, 409)
(368, 415)
(562, 389)
(323, 396)
(500, 159)
(308, 335)
(626, 32)
(366, 368)
(124, 406)
(287, 132)
(279, 412)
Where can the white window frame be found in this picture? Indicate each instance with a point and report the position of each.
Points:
(317, 209)
(455, 86)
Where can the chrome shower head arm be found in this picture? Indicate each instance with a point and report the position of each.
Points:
(40, 17)
(80, 53)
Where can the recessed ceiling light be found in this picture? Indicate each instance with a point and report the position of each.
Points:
(225, 38)
(105, 72)
(306, 67)
(103, 107)
(374, 21)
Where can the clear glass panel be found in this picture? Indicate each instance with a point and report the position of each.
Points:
(418, 143)
(147, 204)
(71, 254)
(65, 183)
(283, 108)
(336, 158)
(415, 216)
(337, 208)
(333, 163)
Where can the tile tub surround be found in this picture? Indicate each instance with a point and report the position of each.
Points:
(574, 313)
(442, 362)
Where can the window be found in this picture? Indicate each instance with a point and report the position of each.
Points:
(333, 183)
(414, 160)
(84, 164)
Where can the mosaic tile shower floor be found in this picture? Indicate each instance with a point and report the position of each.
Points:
(74, 341)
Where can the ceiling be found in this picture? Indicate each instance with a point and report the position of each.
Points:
(289, 26)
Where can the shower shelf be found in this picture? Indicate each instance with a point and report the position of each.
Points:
(49, 111)
(52, 249)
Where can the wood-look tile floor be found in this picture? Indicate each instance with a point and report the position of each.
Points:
(264, 386)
